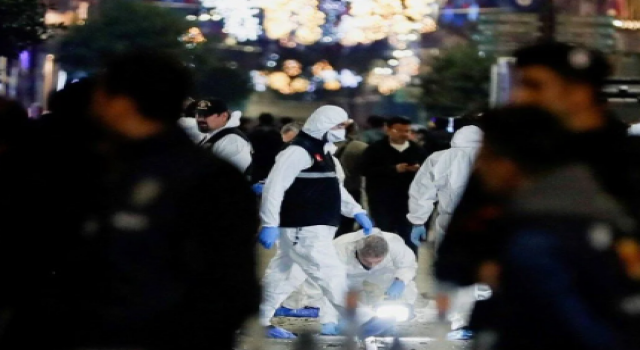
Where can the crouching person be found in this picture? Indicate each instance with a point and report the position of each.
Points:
(381, 268)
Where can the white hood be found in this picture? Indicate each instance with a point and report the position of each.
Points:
(323, 119)
(469, 136)
(234, 120)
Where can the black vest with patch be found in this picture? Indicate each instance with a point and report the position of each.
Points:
(314, 197)
(210, 142)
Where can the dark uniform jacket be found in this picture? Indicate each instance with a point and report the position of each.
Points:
(163, 258)
(564, 284)
(384, 185)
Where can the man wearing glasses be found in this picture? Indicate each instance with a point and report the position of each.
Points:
(389, 166)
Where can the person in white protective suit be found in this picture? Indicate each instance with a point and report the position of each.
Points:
(443, 179)
(301, 205)
(379, 266)
(222, 135)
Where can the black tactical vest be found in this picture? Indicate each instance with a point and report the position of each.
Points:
(314, 197)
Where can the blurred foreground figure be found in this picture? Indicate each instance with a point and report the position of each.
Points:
(566, 80)
(563, 267)
(150, 267)
(380, 268)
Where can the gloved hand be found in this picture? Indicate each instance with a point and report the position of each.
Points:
(268, 236)
(364, 221)
(329, 329)
(396, 289)
(278, 333)
(257, 188)
(418, 233)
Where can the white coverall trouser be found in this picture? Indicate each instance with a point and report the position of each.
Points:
(305, 252)
(371, 292)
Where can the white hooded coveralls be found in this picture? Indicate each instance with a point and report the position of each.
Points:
(400, 263)
(443, 178)
(232, 148)
(303, 252)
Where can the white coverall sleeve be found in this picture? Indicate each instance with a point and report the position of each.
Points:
(422, 194)
(404, 260)
(235, 150)
(289, 163)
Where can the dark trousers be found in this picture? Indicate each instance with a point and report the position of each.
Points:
(391, 216)
(347, 224)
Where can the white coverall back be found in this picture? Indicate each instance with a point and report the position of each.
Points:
(443, 178)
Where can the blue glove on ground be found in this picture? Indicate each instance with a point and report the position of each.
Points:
(396, 289)
(306, 312)
(375, 326)
(268, 236)
(257, 188)
(278, 333)
(364, 221)
(329, 329)
(418, 233)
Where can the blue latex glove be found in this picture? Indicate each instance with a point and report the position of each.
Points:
(278, 333)
(329, 329)
(375, 326)
(418, 234)
(396, 289)
(257, 188)
(364, 221)
(268, 236)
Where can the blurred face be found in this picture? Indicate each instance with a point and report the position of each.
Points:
(289, 135)
(498, 175)
(111, 111)
(213, 122)
(542, 87)
(399, 133)
(370, 262)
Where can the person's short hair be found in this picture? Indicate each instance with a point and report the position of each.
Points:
(266, 119)
(531, 137)
(468, 119)
(211, 106)
(576, 63)
(295, 126)
(395, 120)
(373, 246)
(157, 82)
(376, 121)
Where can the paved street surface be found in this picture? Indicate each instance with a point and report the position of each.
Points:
(423, 332)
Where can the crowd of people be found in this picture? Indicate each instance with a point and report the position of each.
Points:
(131, 214)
